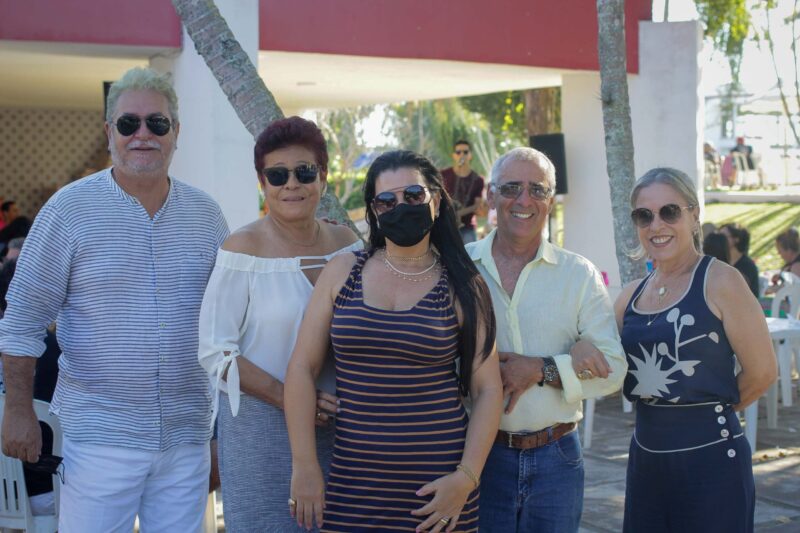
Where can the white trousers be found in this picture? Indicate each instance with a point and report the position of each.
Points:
(105, 487)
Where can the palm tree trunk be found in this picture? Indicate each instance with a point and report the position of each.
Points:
(239, 79)
(618, 134)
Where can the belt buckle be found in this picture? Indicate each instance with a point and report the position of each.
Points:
(510, 440)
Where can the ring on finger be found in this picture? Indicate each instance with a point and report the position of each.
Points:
(292, 502)
(444, 521)
(585, 374)
(319, 415)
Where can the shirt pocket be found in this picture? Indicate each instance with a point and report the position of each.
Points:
(194, 273)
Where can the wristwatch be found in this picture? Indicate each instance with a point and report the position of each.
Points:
(549, 371)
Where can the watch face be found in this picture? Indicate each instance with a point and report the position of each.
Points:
(550, 372)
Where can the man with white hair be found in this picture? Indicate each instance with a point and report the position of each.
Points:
(558, 344)
(121, 258)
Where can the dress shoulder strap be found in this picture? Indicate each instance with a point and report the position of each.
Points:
(638, 291)
(699, 277)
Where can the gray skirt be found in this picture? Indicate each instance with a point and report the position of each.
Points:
(255, 466)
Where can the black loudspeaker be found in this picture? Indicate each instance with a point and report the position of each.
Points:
(106, 88)
(552, 145)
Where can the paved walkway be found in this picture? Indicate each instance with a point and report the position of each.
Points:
(776, 467)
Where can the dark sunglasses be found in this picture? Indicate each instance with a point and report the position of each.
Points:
(412, 195)
(279, 176)
(669, 213)
(461, 152)
(130, 124)
(513, 190)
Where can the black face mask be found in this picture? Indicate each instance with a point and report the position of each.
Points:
(406, 225)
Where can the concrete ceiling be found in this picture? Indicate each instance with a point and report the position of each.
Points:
(64, 76)
(43, 75)
(312, 81)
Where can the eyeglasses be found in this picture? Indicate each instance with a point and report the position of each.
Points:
(669, 213)
(279, 176)
(461, 152)
(412, 195)
(130, 124)
(513, 190)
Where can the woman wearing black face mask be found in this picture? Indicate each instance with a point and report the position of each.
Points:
(413, 332)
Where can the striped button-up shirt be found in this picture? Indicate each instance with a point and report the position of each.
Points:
(126, 292)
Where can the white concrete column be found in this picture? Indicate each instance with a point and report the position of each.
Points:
(667, 120)
(588, 227)
(667, 103)
(215, 151)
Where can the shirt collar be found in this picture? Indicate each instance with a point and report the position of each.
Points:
(481, 251)
(131, 199)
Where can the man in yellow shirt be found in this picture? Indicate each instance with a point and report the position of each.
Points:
(558, 345)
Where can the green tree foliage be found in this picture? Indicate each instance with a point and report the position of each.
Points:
(430, 128)
(342, 131)
(726, 24)
(505, 114)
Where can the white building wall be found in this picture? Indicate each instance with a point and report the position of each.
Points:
(215, 151)
(667, 120)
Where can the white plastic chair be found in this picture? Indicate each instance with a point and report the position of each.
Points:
(588, 418)
(15, 512)
(790, 290)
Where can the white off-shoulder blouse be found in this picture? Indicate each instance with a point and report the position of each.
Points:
(252, 308)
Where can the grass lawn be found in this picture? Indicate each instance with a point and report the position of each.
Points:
(765, 222)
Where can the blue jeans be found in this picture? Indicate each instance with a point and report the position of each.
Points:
(536, 490)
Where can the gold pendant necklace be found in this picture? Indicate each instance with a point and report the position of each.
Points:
(411, 276)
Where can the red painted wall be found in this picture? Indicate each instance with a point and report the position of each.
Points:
(543, 33)
(115, 22)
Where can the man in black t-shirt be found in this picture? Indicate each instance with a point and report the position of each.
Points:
(465, 186)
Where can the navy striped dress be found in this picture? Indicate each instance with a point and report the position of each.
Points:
(402, 422)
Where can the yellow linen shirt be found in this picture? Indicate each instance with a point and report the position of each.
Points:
(559, 299)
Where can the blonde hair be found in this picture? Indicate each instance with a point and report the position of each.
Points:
(143, 79)
(681, 183)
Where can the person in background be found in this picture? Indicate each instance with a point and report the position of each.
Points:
(707, 229)
(715, 244)
(15, 224)
(787, 243)
(745, 150)
(121, 258)
(738, 250)
(788, 246)
(249, 322)
(13, 249)
(689, 465)
(558, 345)
(712, 165)
(413, 332)
(465, 187)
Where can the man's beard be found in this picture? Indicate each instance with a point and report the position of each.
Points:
(128, 162)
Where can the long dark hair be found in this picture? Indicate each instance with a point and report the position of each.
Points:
(467, 284)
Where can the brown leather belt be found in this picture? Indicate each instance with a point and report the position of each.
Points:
(526, 441)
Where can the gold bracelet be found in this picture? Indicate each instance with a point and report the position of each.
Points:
(469, 473)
